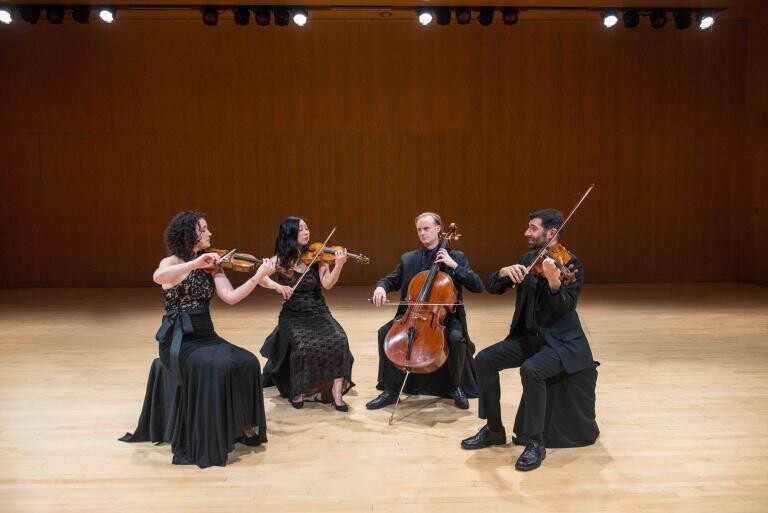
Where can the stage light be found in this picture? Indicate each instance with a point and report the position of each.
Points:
(631, 18)
(107, 14)
(81, 13)
(210, 16)
(55, 14)
(242, 15)
(463, 15)
(610, 18)
(485, 16)
(658, 18)
(509, 15)
(300, 16)
(30, 13)
(425, 16)
(6, 16)
(682, 18)
(262, 16)
(282, 16)
(706, 20)
(443, 15)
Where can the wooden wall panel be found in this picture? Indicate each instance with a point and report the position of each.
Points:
(362, 125)
(753, 197)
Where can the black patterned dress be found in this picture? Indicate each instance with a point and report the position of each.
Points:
(308, 349)
(208, 388)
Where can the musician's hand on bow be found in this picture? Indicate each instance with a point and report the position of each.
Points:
(206, 261)
(515, 272)
(443, 257)
(379, 296)
(284, 291)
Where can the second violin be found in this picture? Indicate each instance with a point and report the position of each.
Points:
(328, 254)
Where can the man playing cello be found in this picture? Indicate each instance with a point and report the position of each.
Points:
(456, 378)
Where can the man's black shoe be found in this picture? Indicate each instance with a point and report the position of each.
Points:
(532, 456)
(460, 398)
(385, 398)
(485, 438)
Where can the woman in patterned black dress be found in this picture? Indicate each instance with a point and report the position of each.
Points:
(308, 352)
(215, 390)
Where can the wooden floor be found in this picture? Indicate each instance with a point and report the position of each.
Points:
(682, 405)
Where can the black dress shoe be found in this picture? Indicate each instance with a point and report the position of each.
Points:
(485, 438)
(532, 456)
(251, 441)
(385, 398)
(460, 398)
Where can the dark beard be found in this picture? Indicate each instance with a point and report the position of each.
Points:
(540, 243)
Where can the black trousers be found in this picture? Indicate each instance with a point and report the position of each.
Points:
(537, 362)
(392, 377)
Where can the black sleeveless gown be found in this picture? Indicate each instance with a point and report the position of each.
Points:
(219, 392)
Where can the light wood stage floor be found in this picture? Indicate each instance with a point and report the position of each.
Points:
(682, 403)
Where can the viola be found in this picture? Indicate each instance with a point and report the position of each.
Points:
(561, 256)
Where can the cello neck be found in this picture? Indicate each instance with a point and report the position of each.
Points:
(427, 288)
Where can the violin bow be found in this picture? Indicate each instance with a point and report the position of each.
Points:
(293, 289)
(545, 248)
(226, 257)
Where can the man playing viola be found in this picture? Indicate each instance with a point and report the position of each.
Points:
(544, 340)
(456, 378)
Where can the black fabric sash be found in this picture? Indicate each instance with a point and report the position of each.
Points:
(175, 325)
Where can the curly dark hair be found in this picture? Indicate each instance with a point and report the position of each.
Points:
(181, 234)
(287, 246)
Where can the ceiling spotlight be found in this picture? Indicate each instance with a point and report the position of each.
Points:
(55, 14)
(485, 16)
(6, 16)
(242, 15)
(682, 18)
(30, 13)
(509, 15)
(425, 16)
(658, 18)
(81, 13)
(706, 20)
(107, 14)
(282, 16)
(443, 15)
(210, 16)
(610, 18)
(631, 18)
(262, 16)
(300, 16)
(463, 15)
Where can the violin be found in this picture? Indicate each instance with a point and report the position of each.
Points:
(416, 341)
(328, 255)
(242, 262)
(561, 256)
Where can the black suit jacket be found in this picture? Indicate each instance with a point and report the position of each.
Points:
(554, 315)
(411, 264)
